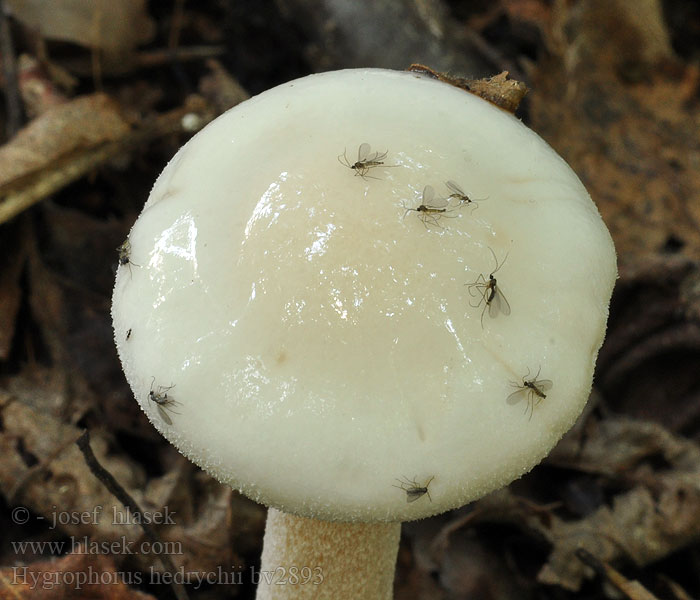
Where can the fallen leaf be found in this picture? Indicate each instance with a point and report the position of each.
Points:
(39, 92)
(209, 526)
(499, 90)
(75, 576)
(611, 98)
(94, 135)
(659, 515)
(648, 363)
(43, 469)
(115, 28)
(62, 129)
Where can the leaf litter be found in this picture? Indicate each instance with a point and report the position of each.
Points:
(618, 496)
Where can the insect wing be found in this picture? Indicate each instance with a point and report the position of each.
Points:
(363, 152)
(164, 415)
(430, 202)
(498, 304)
(414, 494)
(544, 385)
(440, 203)
(516, 396)
(378, 157)
(455, 189)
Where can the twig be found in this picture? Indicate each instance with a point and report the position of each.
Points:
(9, 68)
(176, 25)
(156, 58)
(108, 480)
(631, 589)
(96, 45)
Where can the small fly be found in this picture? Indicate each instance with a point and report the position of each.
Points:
(490, 293)
(430, 209)
(124, 254)
(163, 401)
(128, 335)
(413, 490)
(533, 389)
(366, 160)
(459, 195)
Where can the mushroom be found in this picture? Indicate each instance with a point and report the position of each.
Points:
(303, 336)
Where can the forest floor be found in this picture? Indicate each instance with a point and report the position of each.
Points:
(97, 99)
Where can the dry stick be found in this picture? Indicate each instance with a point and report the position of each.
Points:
(95, 46)
(108, 480)
(631, 589)
(176, 25)
(155, 58)
(9, 68)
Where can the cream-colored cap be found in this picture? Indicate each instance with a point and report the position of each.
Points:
(302, 335)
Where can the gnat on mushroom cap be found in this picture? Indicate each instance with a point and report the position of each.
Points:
(364, 295)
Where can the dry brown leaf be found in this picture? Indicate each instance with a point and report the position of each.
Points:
(39, 92)
(613, 101)
(499, 90)
(81, 123)
(470, 569)
(617, 446)
(657, 517)
(43, 470)
(106, 141)
(203, 532)
(648, 363)
(75, 576)
(115, 28)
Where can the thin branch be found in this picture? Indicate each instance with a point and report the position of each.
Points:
(108, 480)
(631, 589)
(9, 68)
(156, 58)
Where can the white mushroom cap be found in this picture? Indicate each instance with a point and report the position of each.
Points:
(321, 342)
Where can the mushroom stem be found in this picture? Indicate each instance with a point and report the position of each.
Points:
(323, 559)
